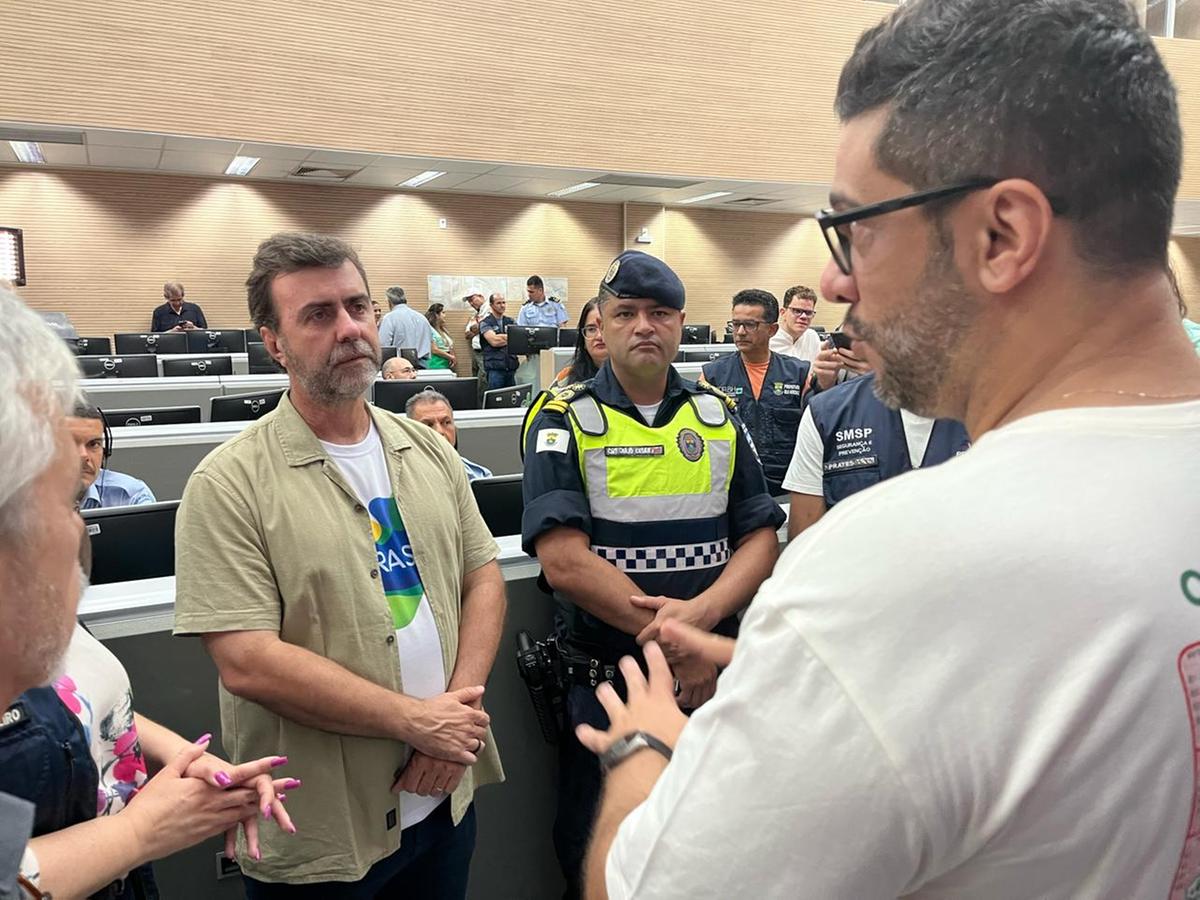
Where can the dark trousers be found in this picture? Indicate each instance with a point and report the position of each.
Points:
(433, 863)
(478, 372)
(500, 378)
(578, 788)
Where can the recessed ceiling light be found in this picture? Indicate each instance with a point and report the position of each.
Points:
(574, 189)
(713, 196)
(241, 165)
(27, 151)
(423, 178)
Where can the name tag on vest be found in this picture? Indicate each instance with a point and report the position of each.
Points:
(648, 450)
(14, 715)
(845, 465)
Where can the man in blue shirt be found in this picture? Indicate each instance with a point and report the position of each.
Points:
(430, 407)
(102, 487)
(498, 363)
(176, 314)
(540, 311)
(404, 327)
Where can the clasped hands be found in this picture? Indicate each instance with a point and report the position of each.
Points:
(449, 734)
(697, 676)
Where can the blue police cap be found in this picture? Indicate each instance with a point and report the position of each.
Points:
(634, 275)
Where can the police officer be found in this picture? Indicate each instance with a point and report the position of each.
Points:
(643, 501)
(768, 387)
(848, 440)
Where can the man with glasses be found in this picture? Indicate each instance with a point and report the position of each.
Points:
(980, 680)
(768, 388)
(796, 337)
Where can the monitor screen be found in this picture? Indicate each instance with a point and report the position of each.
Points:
(91, 346)
(524, 340)
(156, 415)
(135, 366)
(386, 353)
(500, 503)
(252, 336)
(244, 407)
(703, 356)
(197, 365)
(131, 542)
(228, 340)
(411, 355)
(508, 398)
(260, 361)
(567, 337)
(463, 393)
(170, 342)
(697, 334)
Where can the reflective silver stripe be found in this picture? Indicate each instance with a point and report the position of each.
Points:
(663, 507)
(709, 410)
(666, 558)
(586, 410)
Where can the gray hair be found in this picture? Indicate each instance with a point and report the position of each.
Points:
(173, 289)
(38, 384)
(429, 395)
(287, 252)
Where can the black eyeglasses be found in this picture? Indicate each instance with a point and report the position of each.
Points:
(749, 325)
(591, 330)
(833, 224)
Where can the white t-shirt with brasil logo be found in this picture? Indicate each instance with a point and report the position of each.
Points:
(421, 669)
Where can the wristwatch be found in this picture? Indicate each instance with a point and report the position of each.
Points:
(625, 747)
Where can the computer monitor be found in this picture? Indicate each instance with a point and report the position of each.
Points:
(508, 398)
(703, 356)
(411, 355)
(244, 407)
(461, 392)
(252, 336)
(386, 353)
(155, 415)
(197, 365)
(227, 340)
(524, 340)
(500, 503)
(131, 542)
(259, 361)
(697, 334)
(567, 337)
(91, 346)
(170, 342)
(135, 366)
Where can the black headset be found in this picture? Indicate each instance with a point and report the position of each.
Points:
(106, 451)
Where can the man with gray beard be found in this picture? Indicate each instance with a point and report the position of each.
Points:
(335, 563)
(40, 531)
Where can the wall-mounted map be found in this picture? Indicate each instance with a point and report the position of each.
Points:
(450, 289)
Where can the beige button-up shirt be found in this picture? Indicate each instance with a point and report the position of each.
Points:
(270, 536)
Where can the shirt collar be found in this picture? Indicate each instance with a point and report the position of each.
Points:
(301, 447)
(608, 389)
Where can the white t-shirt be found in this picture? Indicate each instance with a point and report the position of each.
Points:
(806, 347)
(805, 474)
(648, 411)
(422, 671)
(981, 680)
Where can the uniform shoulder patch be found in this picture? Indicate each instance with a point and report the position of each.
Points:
(719, 394)
(561, 397)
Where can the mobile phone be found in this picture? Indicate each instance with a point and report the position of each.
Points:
(840, 340)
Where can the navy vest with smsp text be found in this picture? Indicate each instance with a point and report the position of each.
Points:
(774, 418)
(864, 440)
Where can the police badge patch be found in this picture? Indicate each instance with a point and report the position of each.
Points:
(691, 445)
(612, 271)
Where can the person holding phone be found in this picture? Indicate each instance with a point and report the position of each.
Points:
(836, 362)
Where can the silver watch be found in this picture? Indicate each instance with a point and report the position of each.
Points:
(625, 747)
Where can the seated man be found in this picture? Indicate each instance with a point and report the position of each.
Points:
(176, 314)
(102, 487)
(399, 369)
(849, 441)
(433, 409)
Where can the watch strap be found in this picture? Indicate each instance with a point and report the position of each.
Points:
(625, 747)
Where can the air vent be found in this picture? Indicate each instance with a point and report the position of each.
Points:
(41, 136)
(751, 201)
(644, 181)
(324, 173)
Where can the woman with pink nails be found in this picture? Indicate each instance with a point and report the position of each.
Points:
(78, 751)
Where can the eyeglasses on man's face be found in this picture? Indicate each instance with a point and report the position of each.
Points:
(750, 326)
(835, 226)
(801, 313)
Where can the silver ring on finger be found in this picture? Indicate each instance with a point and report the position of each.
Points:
(478, 745)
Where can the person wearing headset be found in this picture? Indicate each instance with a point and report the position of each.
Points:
(102, 487)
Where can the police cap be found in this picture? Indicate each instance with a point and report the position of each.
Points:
(636, 275)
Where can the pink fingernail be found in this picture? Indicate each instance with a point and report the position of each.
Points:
(222, 779)
(204, 738)
(279, 761)
(266, 812)
(258, 855)
(292, 783)
(291, 829)
(281, 797)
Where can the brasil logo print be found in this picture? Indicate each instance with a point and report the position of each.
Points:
(397, 565)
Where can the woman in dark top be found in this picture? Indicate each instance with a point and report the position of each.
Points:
(590, 351)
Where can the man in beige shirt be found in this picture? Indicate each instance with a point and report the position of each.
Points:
(335, 563)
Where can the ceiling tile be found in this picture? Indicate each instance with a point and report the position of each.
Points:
(195, 163)
(6, 153)
(123, 157)
(339, 158)
(429, 163)
(273, 151)
(201, 145)
(567, 176)
(445, 183)
(140, 139)
(486, 184)
(65, 154)
(383, 176)
(618, 193)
